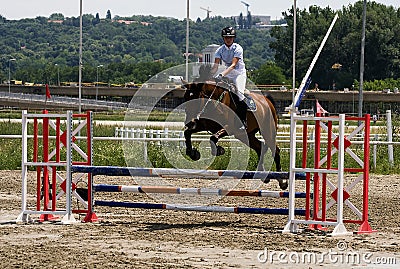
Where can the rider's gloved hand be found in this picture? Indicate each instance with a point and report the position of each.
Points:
(218, 78)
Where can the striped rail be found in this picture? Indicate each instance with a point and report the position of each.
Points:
(194, 191)
(221, 209)
(170, 172)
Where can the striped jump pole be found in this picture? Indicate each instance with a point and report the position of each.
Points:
(171, 172)
(193, 191)
(221, 209)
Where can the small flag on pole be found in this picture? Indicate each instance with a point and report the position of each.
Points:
(320, 109)
(48, 96)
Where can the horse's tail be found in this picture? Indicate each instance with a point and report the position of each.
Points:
(271, 101)
(269, 97)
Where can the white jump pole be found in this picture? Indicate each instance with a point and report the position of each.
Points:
(390, 136)
(304, 81)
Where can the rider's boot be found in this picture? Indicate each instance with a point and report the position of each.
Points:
(241, 111)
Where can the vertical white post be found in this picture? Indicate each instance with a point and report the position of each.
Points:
(24, 217)
(340, 229)
(187, 42)
(375, 151)
(68, 218)
(390, 136)
(291, 227)
(145, 147)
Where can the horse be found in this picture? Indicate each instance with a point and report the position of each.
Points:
(212, 112)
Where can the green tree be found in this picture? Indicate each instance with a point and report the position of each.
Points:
(108, 16)
(268, 74)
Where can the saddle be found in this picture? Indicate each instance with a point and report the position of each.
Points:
(251, 105)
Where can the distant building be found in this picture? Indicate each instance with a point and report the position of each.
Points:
(56, 21)
(128, 22)
(259, 19)
(209, 53)
(262, 18)
(208, 57)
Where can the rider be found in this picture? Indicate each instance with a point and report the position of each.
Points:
(232, 55)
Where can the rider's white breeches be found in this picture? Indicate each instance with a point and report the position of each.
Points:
(240, 83)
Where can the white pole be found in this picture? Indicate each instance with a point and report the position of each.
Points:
(340, 229)
(80, 58)
(187, 42)
(305, 78)
(390, 136)
(291, 227)
(69, 217)
(24, 217)
(294, 54)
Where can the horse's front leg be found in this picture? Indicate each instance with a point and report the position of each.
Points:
(217, 150)
(193, 153)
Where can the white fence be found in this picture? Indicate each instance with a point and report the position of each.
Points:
(165, 135)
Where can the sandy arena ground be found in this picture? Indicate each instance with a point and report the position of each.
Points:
(139, 238)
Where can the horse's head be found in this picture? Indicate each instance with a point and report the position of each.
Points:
(192, 91)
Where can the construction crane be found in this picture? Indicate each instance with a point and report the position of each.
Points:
(247, 6)
(208, 11)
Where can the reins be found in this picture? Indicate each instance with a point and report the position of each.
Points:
(208, 100)
(218, 100)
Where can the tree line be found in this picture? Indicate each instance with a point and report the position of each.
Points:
(124, 49)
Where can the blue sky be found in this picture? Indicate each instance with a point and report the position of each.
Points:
(18, 9)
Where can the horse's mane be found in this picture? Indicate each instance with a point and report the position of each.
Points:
(204, 73)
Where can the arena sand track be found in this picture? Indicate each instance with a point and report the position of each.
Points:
(137, 238)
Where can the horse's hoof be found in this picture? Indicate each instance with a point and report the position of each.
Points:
(220, 151)
(193, 154)
(283, 185)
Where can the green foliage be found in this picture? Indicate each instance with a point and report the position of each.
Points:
(268, 74)
(379, 85)
(131, 51)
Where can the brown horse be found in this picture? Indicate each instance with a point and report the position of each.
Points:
(213, 111)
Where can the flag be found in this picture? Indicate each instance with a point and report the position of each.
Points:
(48, 96)
(320, 109)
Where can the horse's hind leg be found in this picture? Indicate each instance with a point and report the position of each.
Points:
(217, 150)
(261, 148)
(193, 153)
(283, 184)
(258, 147)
